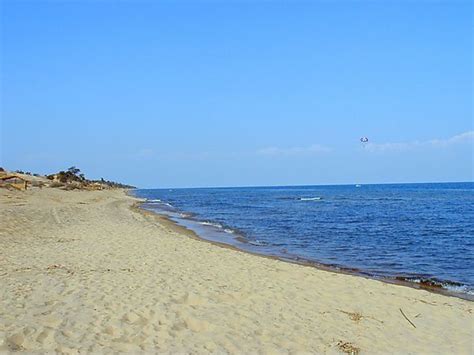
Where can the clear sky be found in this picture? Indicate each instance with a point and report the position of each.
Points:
(214, 93)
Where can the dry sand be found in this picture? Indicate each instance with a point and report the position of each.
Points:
(82, 271)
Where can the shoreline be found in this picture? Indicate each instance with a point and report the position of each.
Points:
(304, 262)
(89, 271)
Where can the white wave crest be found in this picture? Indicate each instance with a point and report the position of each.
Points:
(205, 223)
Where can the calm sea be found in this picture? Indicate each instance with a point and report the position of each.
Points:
(423, 233)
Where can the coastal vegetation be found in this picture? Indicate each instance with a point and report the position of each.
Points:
(69, 179)
(73, 178)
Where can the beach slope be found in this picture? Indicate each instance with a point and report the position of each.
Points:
(85, 271)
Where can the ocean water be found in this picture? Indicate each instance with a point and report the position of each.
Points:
(421, 233)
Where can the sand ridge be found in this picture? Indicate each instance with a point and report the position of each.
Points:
(83, 271)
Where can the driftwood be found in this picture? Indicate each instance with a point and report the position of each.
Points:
(14, 181)
(409, 321)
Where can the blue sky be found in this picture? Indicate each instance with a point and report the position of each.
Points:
(214, 93)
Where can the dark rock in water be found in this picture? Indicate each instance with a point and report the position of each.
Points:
(428, 283)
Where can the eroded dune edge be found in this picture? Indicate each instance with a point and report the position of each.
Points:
(87, 271)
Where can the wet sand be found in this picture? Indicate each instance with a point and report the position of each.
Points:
(88, 271)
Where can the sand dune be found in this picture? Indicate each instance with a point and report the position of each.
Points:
(83, 271)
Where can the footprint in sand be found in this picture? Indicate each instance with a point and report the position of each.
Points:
(54, 212)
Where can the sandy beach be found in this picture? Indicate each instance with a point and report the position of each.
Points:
(87, 271)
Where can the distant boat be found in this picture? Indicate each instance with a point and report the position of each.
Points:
(358, 185)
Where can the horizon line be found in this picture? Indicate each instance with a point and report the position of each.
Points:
(301, 185)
